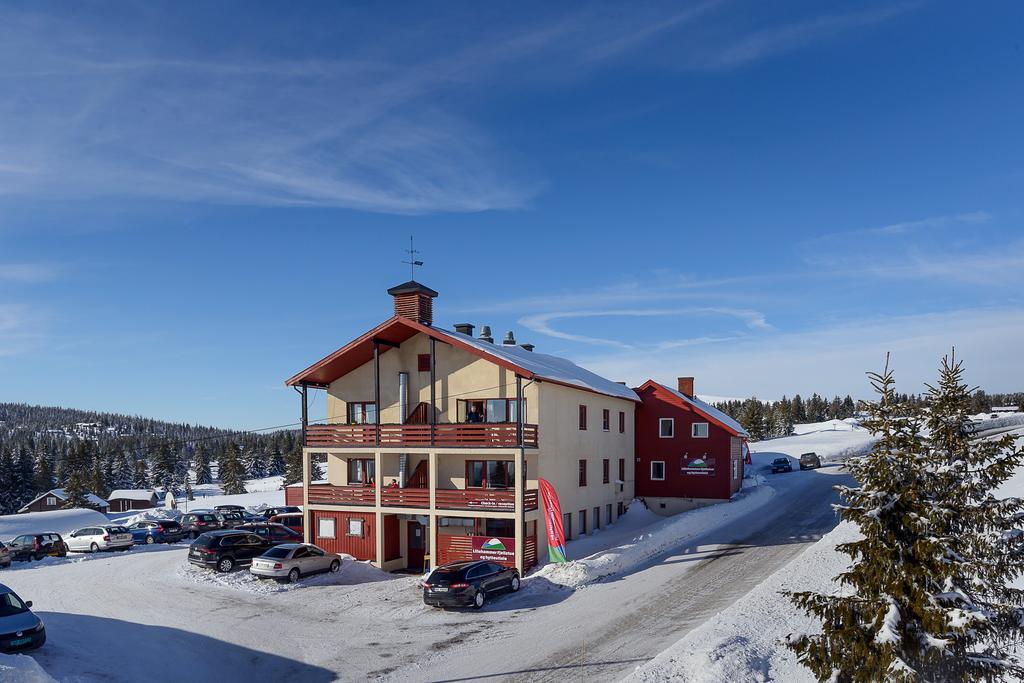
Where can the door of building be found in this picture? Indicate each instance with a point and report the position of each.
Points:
(416, 546)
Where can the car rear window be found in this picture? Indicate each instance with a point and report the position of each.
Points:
(439, 575)
(118, 529)
(277, 553)
(207, 541)
(207, 518)
(171, 525)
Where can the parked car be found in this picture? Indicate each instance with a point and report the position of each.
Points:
(468, 584)
(224, 550)
(196, 523)
(250, 518)
(292, 520)
(810, 461)
(151, 531)
(275, 533)
(28, 547)
(781, 465)
(229, 508)
(280, 510)
(291, 561)
(92, 539)
(5, 555)
(20, 629)
(229, 519)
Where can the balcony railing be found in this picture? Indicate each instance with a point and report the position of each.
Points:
(470, 435)
(488, 500)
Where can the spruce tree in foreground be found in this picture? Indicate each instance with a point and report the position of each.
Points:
(926, 597)
(293, 465)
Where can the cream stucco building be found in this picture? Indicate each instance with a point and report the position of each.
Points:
(435, 442)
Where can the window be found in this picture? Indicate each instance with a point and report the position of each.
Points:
(735, 469)
(325, 527)
(666, 427)
(490, 474)
(51, 501)
(583, 472)
(608, 513)
(567, 525)
(606, 471)
(622, 469)
(699, 430)
(583, 417)
(597, 518)
(423, 362)
(355, 526)
(500, 527)
(606, 420)
(583, 522)
(622, 422)
(362, 412)
(658, 470)
(489, 410)
(361, 471)
(621, 509)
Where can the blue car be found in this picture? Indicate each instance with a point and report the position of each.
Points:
(156, 531)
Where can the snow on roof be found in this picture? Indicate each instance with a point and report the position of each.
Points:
(132, 494)
(547, 367)
(57, 521)
(710, 411)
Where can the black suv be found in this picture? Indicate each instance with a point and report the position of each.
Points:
(28, 547)
(280, 510)
(224, 550)
(196, 523)
(468, 584)
(275, 533)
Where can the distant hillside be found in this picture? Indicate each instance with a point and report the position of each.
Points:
(46, 446)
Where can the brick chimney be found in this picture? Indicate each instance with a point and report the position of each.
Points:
(414, 301)
(686, 386)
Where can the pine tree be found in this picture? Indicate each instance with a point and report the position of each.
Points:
(165, 467)
(97, 478)
(8, 493)
(277, 463)
(201, 464)
(140, 475)
(231, 471)
(44, 480)
(77, 468)
(926, 596)
(293, 466)
(26, 476)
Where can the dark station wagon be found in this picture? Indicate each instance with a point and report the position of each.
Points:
(468, 584)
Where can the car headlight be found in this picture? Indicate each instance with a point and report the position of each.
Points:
(39, 627)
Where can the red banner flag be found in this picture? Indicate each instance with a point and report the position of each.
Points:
(553, 515)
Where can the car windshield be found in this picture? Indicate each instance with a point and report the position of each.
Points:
(10, 605)
(278, 553)
(781, 461)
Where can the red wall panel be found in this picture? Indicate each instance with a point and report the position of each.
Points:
(360, 547)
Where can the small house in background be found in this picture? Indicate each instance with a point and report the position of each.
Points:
(55, 499)
(124, 500)
(1005, 409)
(688, 453)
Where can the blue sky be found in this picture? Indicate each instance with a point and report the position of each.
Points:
(196, 202)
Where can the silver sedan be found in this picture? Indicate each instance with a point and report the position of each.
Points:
(291, 561)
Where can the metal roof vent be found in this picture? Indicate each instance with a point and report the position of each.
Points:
(509, 340)
(528, 347)
(485, 334)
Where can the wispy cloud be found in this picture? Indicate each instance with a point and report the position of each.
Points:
(28, 273)
(20, 329)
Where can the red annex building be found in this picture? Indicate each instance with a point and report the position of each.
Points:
(688, 453)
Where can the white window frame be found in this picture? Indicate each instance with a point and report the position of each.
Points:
(735, 469)
(51, 500)
(658, 462)
(362, 527)
(693, 430)
(322, 525)
(671, 421)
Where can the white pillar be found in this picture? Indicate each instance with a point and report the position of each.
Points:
(520, 523)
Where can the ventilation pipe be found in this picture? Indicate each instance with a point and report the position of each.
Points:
(403, 396)
(464, 328)
(485, 334)
(403, 466)
(509, 340)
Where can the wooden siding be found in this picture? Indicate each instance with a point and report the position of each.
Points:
(361, 548)
(460, 549)
(392, 542)
(494, 500)
(474, 435)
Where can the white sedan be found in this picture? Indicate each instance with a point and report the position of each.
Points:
(92, 539)
(291, 561)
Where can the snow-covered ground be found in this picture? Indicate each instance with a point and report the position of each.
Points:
(56, 521)
(743, 642)
(363, 623)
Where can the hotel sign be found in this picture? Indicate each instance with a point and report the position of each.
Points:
(494, 549)
(697, 466)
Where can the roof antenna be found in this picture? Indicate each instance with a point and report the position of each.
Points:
(412, 262)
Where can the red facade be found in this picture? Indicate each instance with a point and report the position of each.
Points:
(691, 467)
(362, 546)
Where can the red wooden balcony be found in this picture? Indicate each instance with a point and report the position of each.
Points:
(488, 500)
(470, 435)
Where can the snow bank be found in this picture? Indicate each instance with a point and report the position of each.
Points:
(352, 572)
(743, 642)
(850, 424)
(59, 521)
(152, 514)
(22, 669)
(655, 538)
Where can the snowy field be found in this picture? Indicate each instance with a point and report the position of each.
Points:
(743, 642)
(363, 623)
